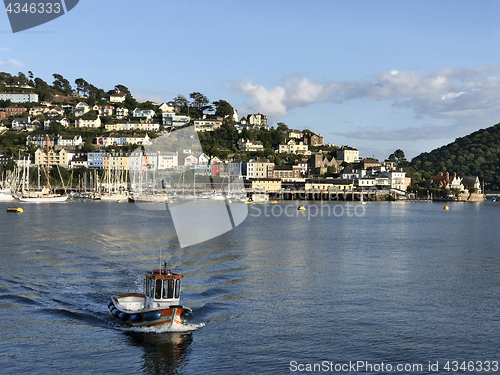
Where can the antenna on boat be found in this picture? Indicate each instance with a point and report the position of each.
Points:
(160, 259)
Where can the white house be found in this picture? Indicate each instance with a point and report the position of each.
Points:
(62, 120)
(250, 146)
(55, 112)
(207, 124)
(79, 109)
(121, 112)
(143, 112)
(118, 97)
(348, 154)
(88, 122)
(104, 110)
(203, 159)
(78, 160)
(292, 147)
(397, 178)
(167, 107)
(258, 168)
(167, 160)
(170, 119)
(69, 140)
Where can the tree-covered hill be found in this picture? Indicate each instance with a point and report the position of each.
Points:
(477, 154)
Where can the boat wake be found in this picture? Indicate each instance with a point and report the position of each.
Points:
(184, 328)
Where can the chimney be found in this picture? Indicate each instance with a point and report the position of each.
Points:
(447, 176)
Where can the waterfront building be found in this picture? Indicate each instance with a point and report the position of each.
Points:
(329, 184)
(59, 158)
(190, 160)
(284, 172)
(79, 160)
(95, 160)
(258, 168)
(167, 160)
(268, 184)
(116, 160)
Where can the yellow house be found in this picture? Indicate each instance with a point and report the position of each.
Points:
(268, 184)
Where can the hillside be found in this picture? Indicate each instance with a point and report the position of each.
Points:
(477, 154)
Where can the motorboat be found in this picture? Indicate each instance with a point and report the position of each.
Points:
(158, 305)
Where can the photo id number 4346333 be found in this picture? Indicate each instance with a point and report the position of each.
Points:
(33, 8)
(457, 366)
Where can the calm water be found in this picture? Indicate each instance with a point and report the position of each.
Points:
(401, 283)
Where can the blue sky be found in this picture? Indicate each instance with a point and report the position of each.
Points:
(376, 75)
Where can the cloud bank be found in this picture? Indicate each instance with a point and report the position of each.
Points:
(460, 95)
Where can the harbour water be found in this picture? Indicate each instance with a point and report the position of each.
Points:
(394, 283)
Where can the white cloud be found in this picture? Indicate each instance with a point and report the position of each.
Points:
(464, 96)
(15, 63)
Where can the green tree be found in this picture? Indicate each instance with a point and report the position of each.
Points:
(223, 109)
(61, 84)
(398, 156)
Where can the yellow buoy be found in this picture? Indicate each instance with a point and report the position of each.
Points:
(170, 201)
(229, 201)
(446, 207)
(119, 201)
(14, 209)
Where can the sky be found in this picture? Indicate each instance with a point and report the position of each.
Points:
(375, 75)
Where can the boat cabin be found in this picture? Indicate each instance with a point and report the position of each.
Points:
(162, 288)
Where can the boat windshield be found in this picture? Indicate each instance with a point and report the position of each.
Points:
(168, 289)
(163, 289)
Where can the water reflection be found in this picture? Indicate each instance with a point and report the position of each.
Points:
(164, 352)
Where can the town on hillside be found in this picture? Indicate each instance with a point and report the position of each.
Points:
(86, 129)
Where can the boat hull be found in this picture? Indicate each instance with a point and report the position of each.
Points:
(42, 199)
(173, 315)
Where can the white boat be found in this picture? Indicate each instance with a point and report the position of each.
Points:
(5, 195)
(114, 197)
(43, 196)
(159, 305)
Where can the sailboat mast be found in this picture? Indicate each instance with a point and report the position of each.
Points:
(48, 162)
